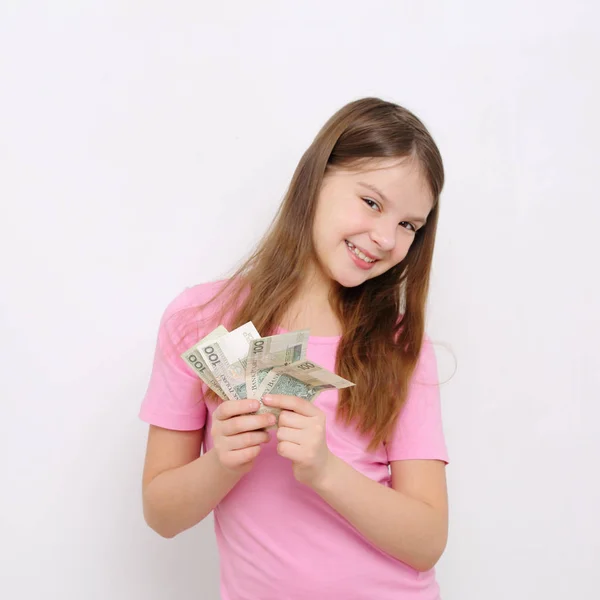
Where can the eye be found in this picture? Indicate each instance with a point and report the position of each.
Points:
(371, 203)
(408, 226)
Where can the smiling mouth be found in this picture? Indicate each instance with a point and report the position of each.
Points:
(359, 253)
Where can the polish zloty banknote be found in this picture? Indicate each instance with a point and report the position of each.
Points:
(273, 351)
(193, 359)
(304, 379)
(226, 357)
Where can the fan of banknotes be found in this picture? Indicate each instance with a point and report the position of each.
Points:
(241, 364)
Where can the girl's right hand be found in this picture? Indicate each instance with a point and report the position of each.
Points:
(237, 435)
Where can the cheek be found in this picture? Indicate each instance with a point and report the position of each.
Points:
(323, 241)
(401, 250)
(325, 224)
(330, 231)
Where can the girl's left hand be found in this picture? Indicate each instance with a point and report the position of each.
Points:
(301, 435)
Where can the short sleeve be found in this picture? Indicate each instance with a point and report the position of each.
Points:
(419, 432)
(174, 397)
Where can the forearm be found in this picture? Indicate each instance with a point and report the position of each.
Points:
(180, 498)
(407, 529)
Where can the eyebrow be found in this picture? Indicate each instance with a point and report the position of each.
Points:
(380, 193)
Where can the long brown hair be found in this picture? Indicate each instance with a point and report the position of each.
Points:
(383, 318)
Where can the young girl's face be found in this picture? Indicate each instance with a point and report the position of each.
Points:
(365, 221)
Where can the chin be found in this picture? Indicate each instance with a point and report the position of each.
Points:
(350, 280)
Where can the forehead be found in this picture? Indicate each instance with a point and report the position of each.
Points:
(400, 180)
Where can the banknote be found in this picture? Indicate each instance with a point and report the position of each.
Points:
(226, 357)
(193, 359)
(304, 379)
(273, 351)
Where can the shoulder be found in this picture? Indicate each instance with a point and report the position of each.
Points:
(191, 313)
(426, 360)
(427, 363)
(419, 432)
(194, 296)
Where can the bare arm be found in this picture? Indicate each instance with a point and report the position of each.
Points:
(408, 521)
(180, 486)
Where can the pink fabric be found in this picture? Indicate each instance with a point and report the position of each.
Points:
(277, 539)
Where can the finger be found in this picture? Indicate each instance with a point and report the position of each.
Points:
(232, 408)
(288, 418)
(244, 423)
(289, 450)
(248, 439)
(244, 455)
(287, 434)
(298, 405)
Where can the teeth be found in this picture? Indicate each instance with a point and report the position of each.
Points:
(359, 253)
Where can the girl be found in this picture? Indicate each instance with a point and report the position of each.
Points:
(346, 498)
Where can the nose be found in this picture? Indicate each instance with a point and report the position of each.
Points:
(384, 234)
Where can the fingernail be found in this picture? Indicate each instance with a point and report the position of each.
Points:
(267, 399)
(254, 405)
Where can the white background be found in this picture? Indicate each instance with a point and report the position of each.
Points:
(144, 147)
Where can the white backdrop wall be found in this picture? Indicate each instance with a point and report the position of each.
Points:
(144, 147)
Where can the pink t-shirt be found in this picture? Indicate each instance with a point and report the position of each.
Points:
(277, 539)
